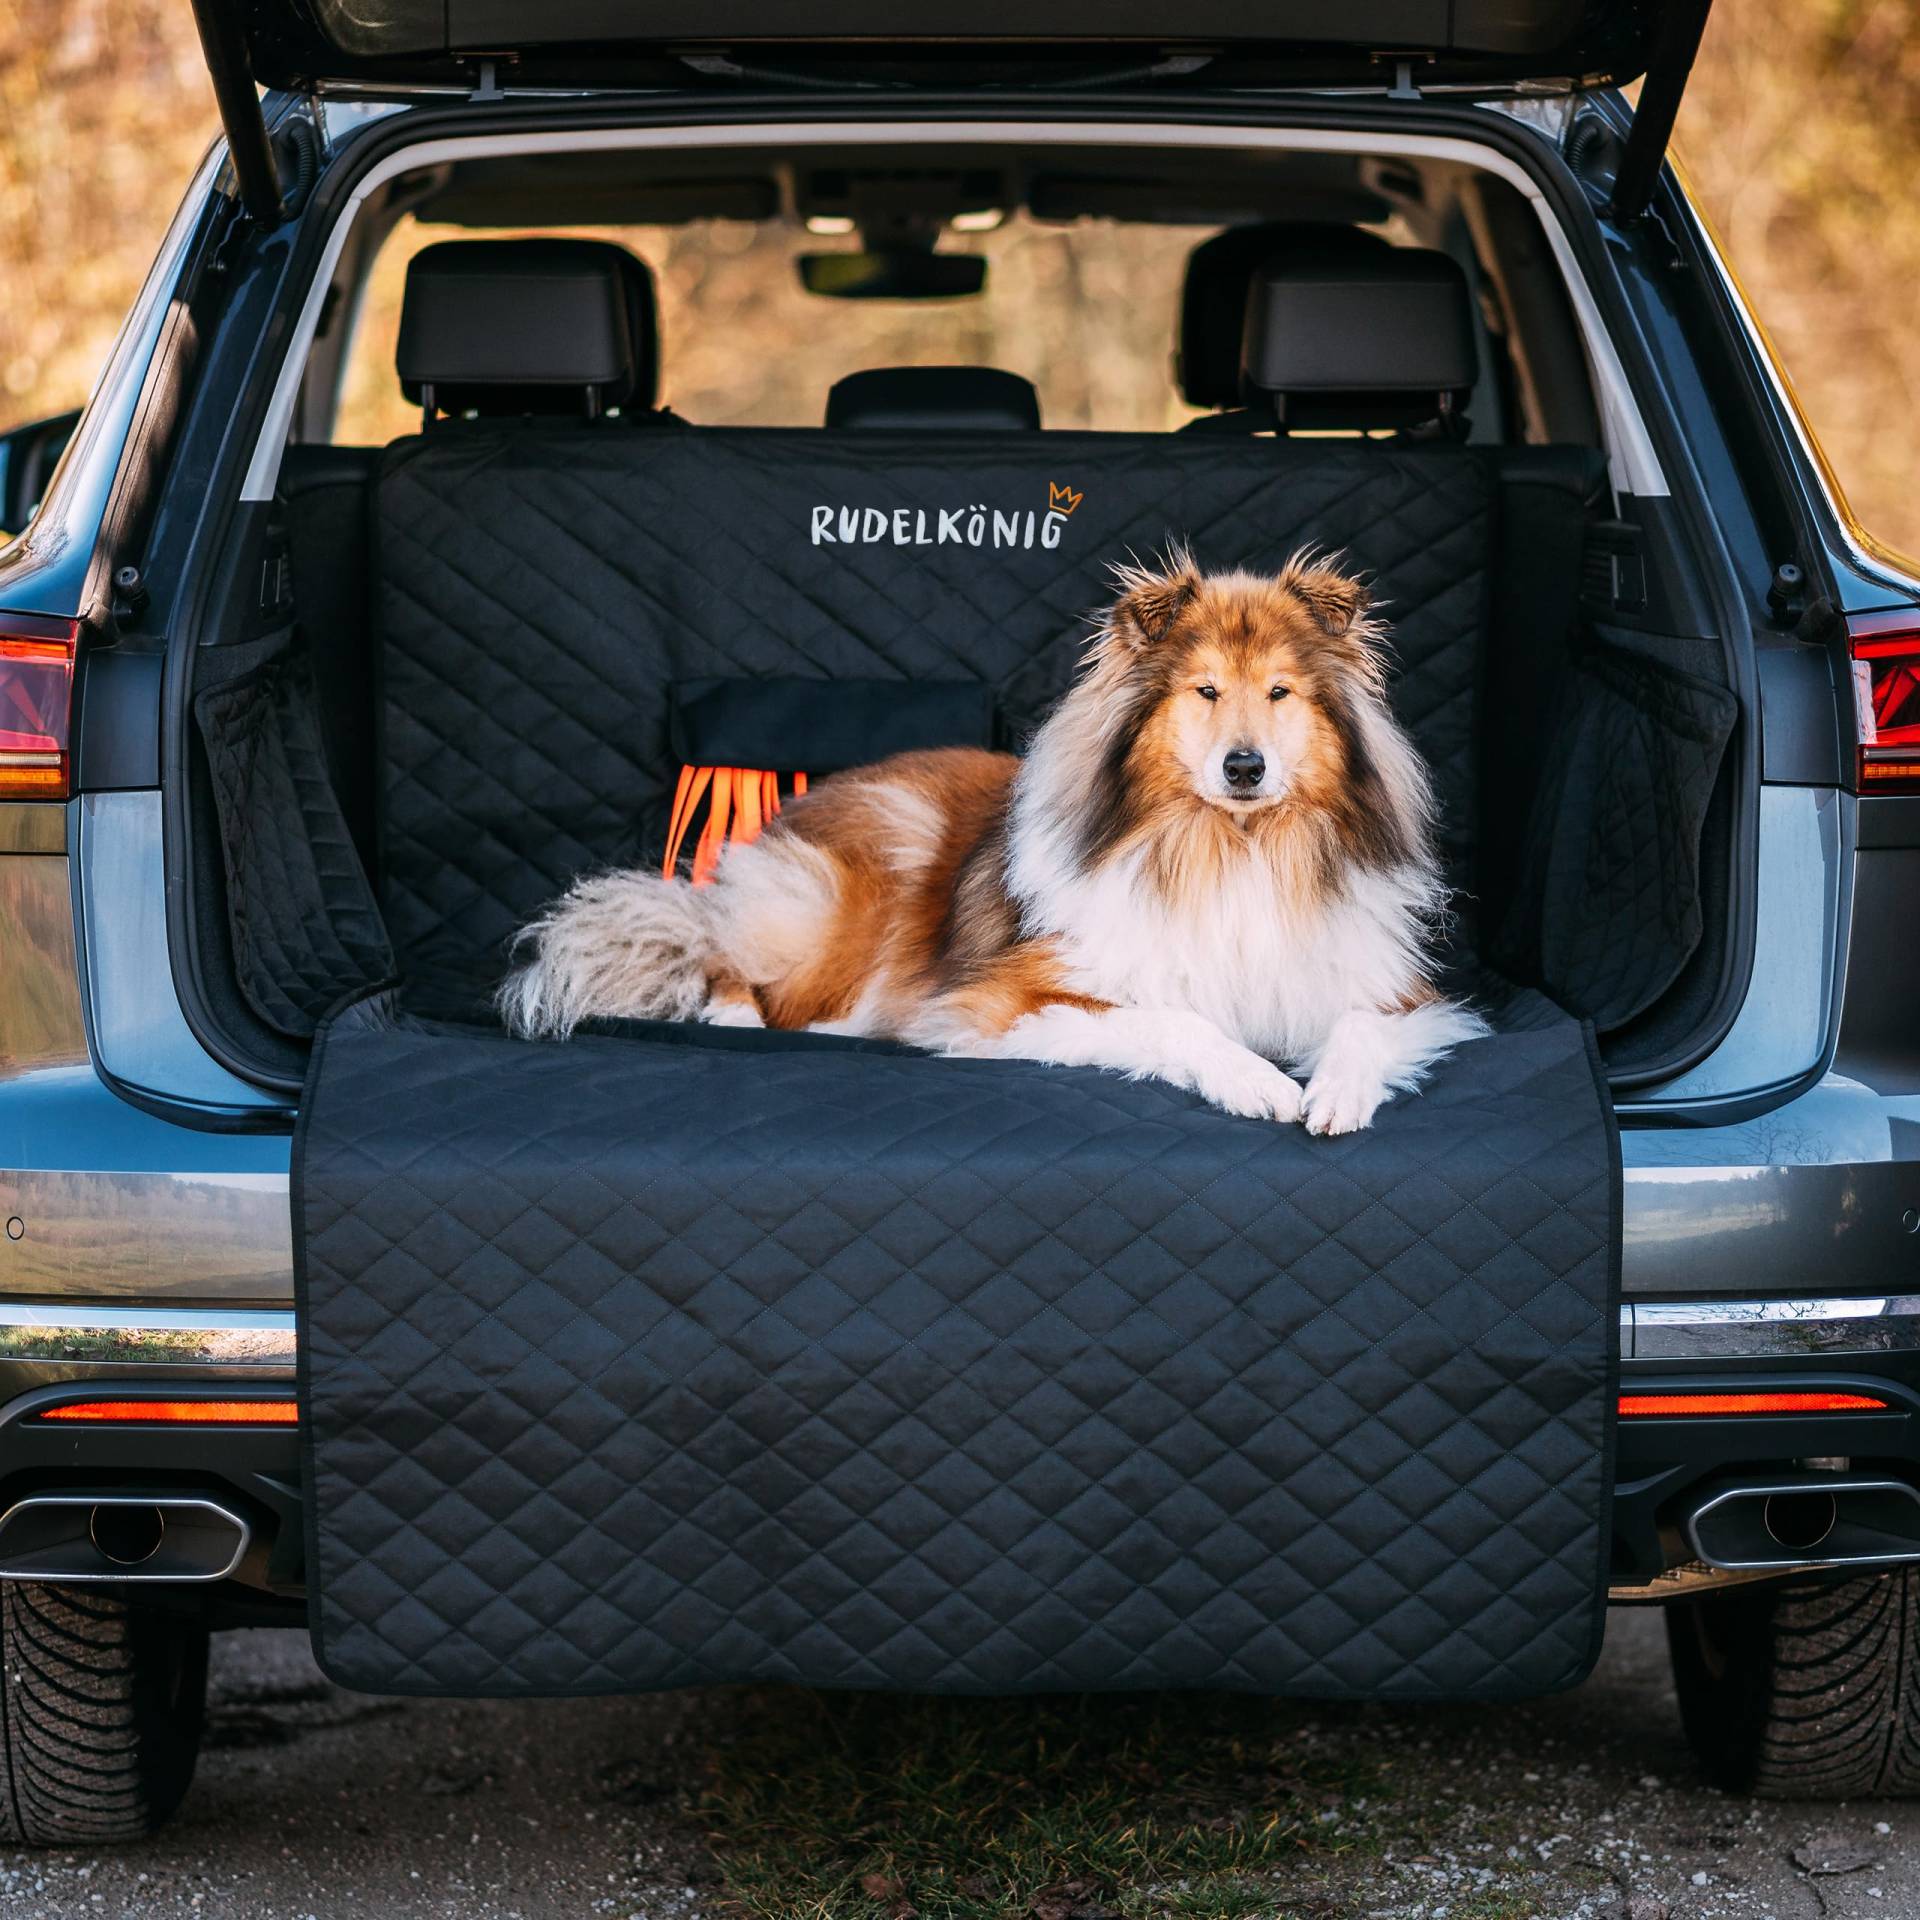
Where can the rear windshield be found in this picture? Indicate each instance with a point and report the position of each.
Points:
(1086, 312)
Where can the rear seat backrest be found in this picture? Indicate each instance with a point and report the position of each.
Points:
(545, 594)
(496, 328)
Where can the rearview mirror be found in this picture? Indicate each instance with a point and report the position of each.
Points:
(897, 275)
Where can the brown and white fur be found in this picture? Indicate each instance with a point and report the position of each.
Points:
(1112, 900)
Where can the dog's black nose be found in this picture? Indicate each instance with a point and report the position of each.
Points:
(1244, 768)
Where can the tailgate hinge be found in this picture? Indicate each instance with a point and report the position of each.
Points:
(487, 89)
(1403, 87)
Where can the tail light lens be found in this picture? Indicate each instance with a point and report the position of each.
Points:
(36, 706)
(1667, 1406)
(1886, 698)
(187, 1413)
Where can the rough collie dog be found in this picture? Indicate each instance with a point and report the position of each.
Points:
(1216, 856)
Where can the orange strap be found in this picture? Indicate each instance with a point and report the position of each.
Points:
(740, 801)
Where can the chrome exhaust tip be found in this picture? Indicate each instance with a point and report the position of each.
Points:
(1799, 1522)
(128, 1536)
(1811, 1520)
(113, 1536)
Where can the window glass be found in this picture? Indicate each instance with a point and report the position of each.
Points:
(1087, 313)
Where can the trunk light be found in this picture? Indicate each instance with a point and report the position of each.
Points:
(1886, 699)
(36, 706)
(1664, 1406)
(191, 1413)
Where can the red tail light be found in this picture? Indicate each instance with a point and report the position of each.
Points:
(1665, 1406)
(36, 706)
(1886, 698)
(185, 1413)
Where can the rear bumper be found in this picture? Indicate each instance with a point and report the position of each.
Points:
(45, 1342)
(252, 1475)
(1772, 1251)
(1864, 1346)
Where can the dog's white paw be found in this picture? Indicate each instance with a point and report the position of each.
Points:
(1241, 1082)
(731, 1013)
(1342, 1101)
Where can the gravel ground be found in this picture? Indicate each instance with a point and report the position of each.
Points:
(312, 1803)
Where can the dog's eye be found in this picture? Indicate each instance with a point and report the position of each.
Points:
(1208, 693)
(1279, 693)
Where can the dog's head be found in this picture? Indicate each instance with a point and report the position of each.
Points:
(1236, 709)
(1244, 688)
(1247, 685)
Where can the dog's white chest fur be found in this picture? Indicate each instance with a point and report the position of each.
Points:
(1275, 980)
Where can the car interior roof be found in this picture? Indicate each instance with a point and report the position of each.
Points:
(667, 188)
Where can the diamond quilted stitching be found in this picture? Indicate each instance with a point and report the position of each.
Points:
(1076, 1384)
(1610, 911)
(306, 931)
(537, 596)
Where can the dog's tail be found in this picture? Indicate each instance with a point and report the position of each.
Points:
(627, 945)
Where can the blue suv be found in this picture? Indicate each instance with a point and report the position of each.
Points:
(237, 795)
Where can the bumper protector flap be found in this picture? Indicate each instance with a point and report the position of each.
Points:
(676, 1356)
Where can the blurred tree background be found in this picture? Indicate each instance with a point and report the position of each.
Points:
(1800, 134)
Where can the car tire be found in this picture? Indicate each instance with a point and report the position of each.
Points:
(100, 1714)
(1804, 1691)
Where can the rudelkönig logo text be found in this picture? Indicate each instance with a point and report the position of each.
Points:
(979, 525)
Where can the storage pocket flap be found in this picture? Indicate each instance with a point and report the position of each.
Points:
(306, 929)
(1609, 909)
(790, 725)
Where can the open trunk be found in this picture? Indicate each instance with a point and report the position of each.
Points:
(511, 628)
(675, 1354)
(668, 1356)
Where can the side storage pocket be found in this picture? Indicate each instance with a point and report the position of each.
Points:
(1607, 910)
(306, 928)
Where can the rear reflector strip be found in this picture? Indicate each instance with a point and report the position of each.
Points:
(186, 1413)
(36, 705)
(1666, 1406)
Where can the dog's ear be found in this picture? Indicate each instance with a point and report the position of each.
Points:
(1151, 601)
(1335, 599)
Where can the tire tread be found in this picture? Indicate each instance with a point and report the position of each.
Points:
(101, 1706)
(1805, 1691)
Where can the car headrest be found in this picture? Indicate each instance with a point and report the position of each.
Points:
(1380, 340)
(980, 398)
(528, 326)
(1213, 301)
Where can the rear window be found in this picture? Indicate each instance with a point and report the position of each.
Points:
(1086, 312)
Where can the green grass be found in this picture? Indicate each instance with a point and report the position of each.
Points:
(879, 1807)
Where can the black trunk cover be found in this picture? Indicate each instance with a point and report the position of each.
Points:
(673, 1356)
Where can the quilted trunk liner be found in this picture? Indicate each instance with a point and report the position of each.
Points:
(540, 592)
(675, 1356)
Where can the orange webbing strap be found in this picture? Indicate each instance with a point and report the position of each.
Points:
(740, 801)
(686, 796)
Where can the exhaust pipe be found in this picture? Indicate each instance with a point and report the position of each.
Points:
(1811, 1520)
(128, 1536)
(113, 1536)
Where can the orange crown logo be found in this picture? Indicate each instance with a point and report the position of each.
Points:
(1062, 499)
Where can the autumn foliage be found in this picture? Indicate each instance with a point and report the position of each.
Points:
(1800, 133)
